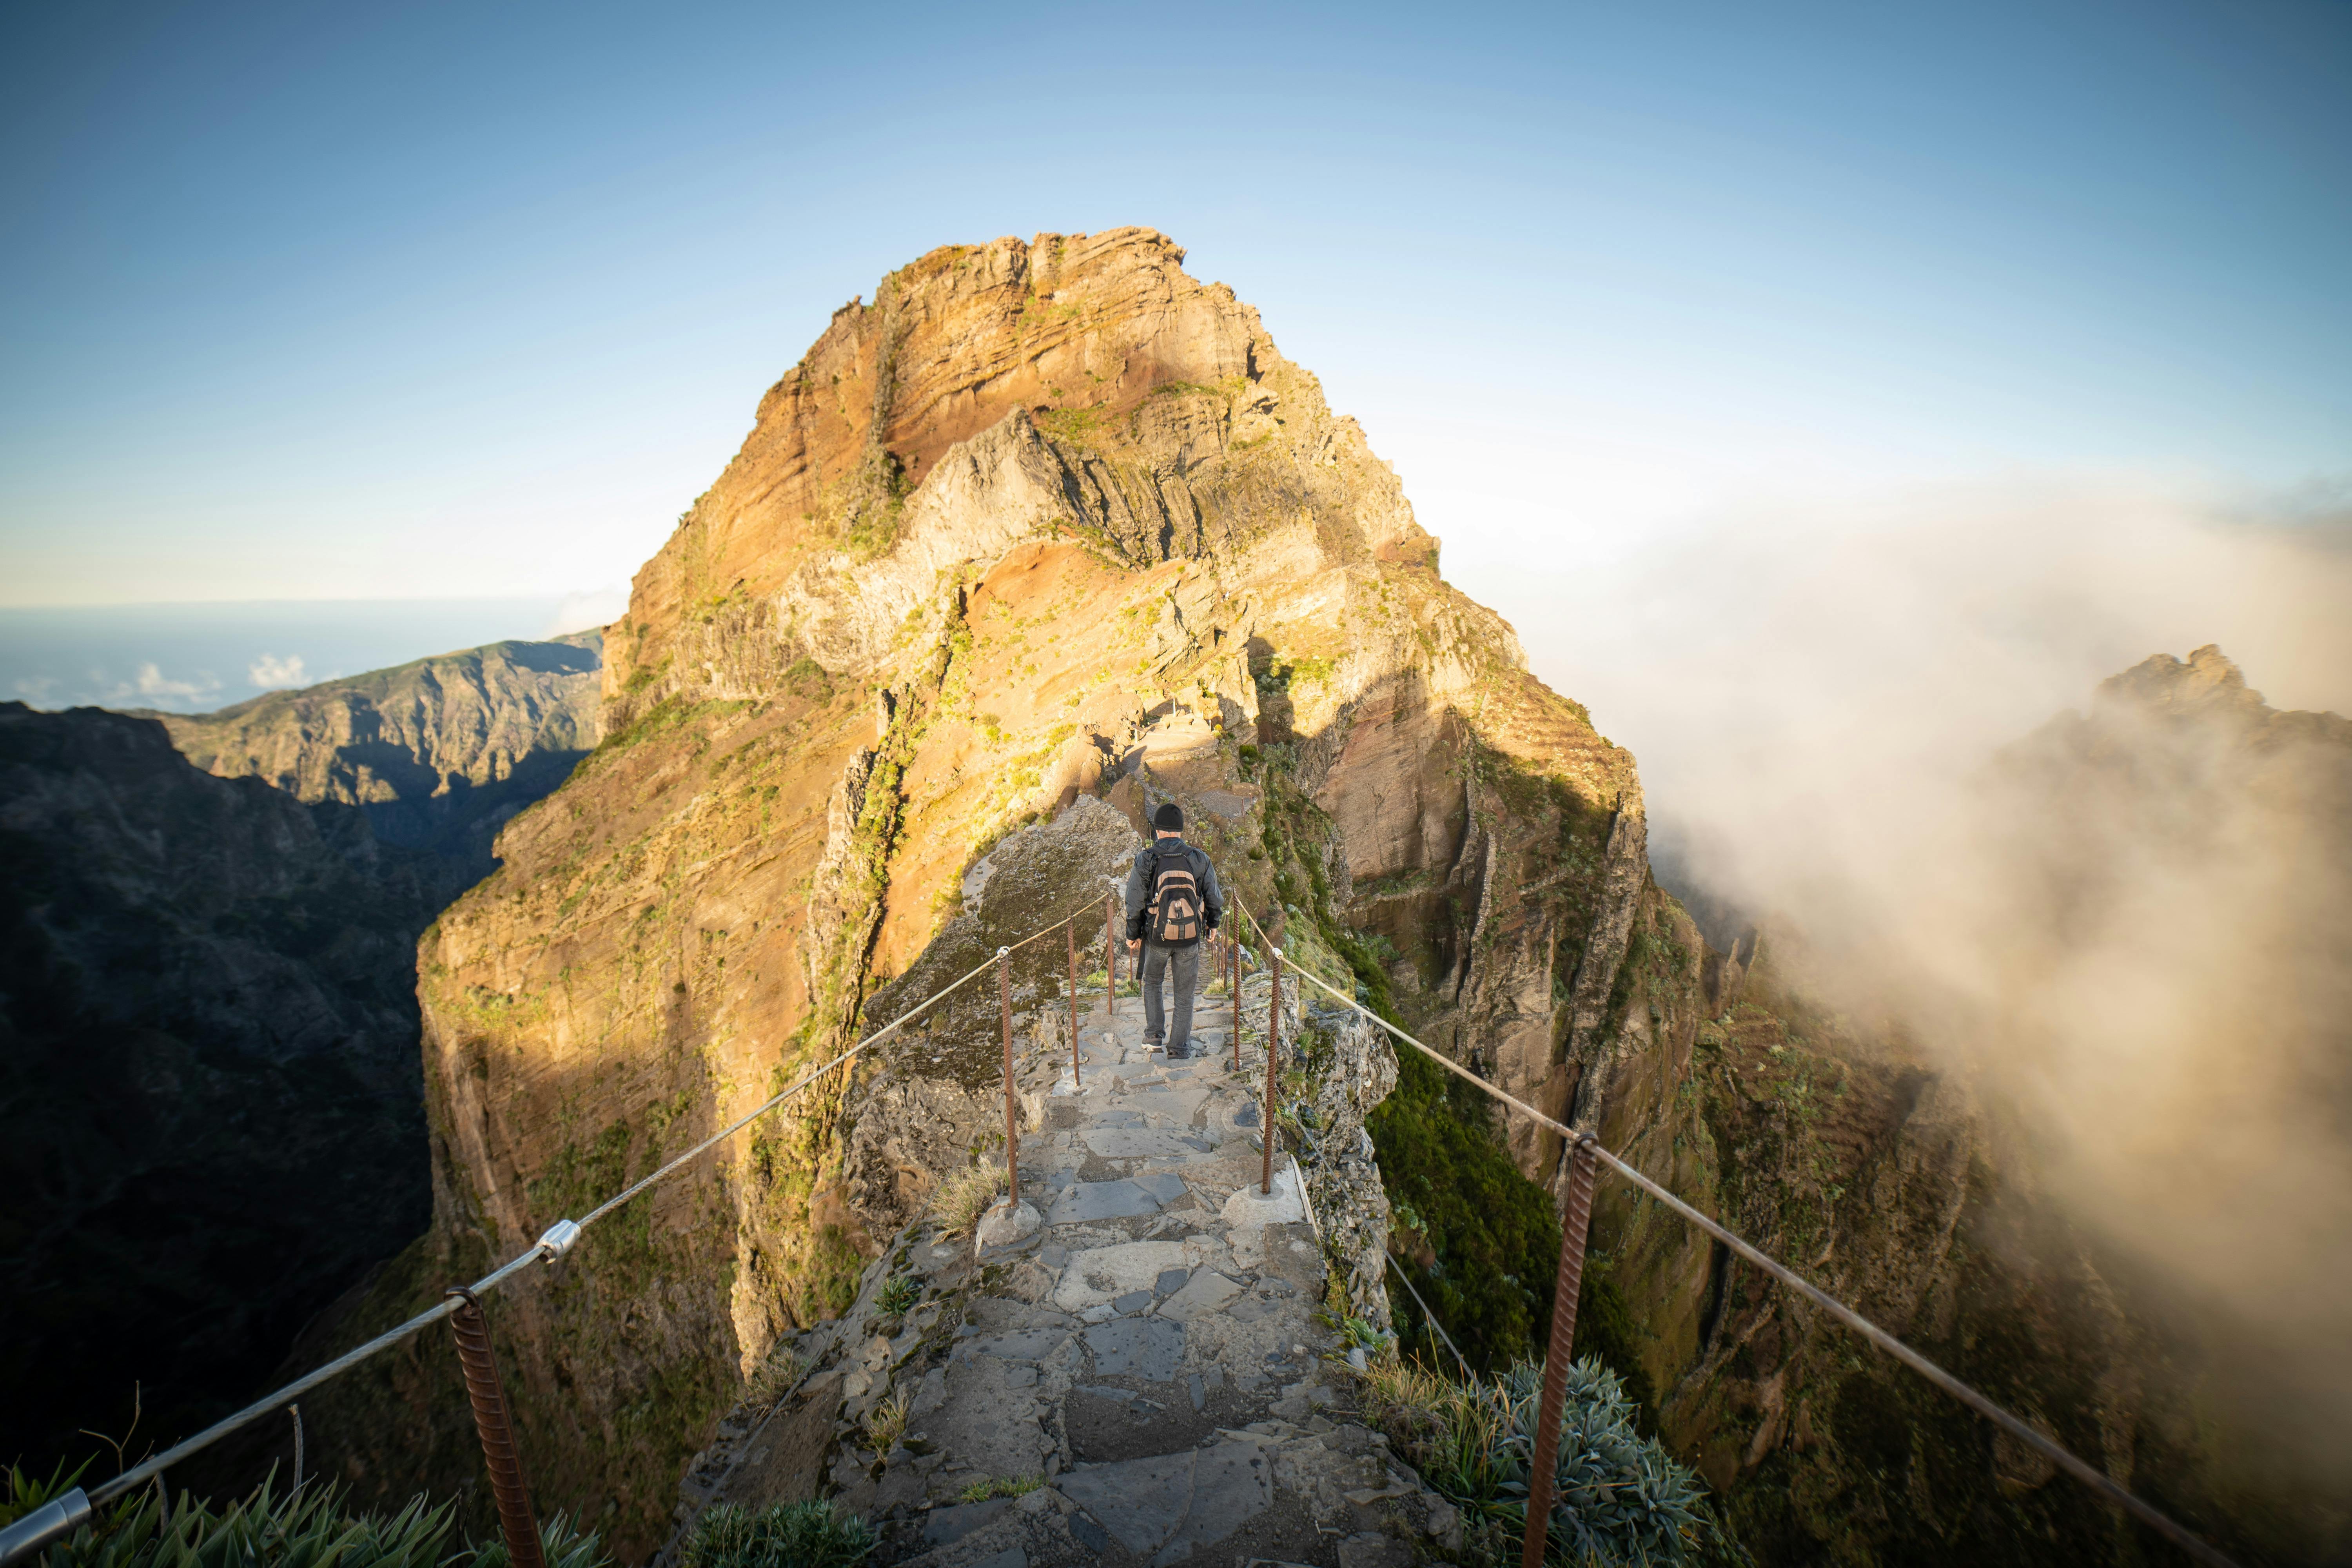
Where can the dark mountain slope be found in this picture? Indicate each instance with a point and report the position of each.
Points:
(208, 1073)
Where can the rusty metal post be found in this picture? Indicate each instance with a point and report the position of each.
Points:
(1011, 1121)
(1273, 1043)
(1234, 989)
(1070, 933)
(499, 1454)
(1110, 958)
(1574, 1226)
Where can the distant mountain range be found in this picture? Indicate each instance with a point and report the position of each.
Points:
(438, 752)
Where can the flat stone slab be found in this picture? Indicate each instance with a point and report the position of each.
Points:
(950, 1524)
(1148, 1347)
(1206, 1291)
(1167, 1507)
(972, 1409)
(1029, 1344)
(1166, 1186)
(1142, 1143)
(1094, 1276)
(1085, 1201)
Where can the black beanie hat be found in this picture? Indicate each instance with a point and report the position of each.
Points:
(1168, 818)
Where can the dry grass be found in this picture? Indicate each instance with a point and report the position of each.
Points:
(888, 1424)
(958, 1201)
(775, 1377)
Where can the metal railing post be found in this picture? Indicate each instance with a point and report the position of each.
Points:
(1070, 932)
(1012, 1122)
(500, 1456)
(1110, 958)
(1233, 990)
(1273, 1044)
(1574, 1223)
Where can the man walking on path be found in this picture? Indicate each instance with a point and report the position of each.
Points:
(1173, 900)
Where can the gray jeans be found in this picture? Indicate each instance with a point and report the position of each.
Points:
(1157, 962)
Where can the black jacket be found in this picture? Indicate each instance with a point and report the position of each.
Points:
(1138, 888)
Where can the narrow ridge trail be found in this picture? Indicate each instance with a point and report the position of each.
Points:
(1153, 1361)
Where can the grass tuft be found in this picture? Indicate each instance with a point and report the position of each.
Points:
(306, 1527)
(898, 1295)
(813, 1534)
(1000, 1486)
(958, 1201)
(887, 1423)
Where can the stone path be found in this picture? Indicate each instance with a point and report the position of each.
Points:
(1143, 1369)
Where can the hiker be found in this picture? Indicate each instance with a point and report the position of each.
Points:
(1173, 900)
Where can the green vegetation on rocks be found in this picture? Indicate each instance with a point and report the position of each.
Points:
(1619, 1498)
(812, 1534)
(308, 1527)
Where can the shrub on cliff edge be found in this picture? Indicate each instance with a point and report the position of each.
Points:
(790, 1535)
(1620, 1498)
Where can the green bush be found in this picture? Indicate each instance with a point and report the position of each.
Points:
(304, 1529)
(788, 1535)
(1619, 1498)
(898, 1295)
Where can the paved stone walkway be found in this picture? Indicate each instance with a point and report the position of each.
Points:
(1144, 1369)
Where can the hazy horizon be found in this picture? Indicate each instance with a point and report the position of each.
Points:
(200, 657)
(305, 305)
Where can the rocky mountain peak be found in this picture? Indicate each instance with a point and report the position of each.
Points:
(1073, 386)
(2207, 682)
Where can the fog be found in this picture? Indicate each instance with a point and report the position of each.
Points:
(2132, 937)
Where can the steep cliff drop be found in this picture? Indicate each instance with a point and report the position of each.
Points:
(208, 1016)
(207, 1036)
(1043, 519)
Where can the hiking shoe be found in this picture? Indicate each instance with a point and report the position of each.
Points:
(1180, 1052)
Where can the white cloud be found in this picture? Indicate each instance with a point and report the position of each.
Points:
(269, 670)
(579, 610)
(152, 682)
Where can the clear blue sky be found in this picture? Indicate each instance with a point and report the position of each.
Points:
(312, 301)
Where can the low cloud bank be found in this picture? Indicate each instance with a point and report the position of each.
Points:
(2128, 925)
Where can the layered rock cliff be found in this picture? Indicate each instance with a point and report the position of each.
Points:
(439, 752)
(1043, 519)
(208, 1072)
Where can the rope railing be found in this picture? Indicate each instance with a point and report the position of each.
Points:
(69, 1511)
(73, 1509)
(1585, 1148)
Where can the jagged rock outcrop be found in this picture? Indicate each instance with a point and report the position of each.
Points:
(1045, 519)
(439, 752)
(207, 1064)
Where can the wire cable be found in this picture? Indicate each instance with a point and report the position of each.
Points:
(558, 1240)
(1431, 1318)
(2096, 1480)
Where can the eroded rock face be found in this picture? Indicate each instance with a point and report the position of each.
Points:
(1045, 522)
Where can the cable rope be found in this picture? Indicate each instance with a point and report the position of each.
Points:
(2096, 1480)
(1431, 1318)
(558, 1240)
